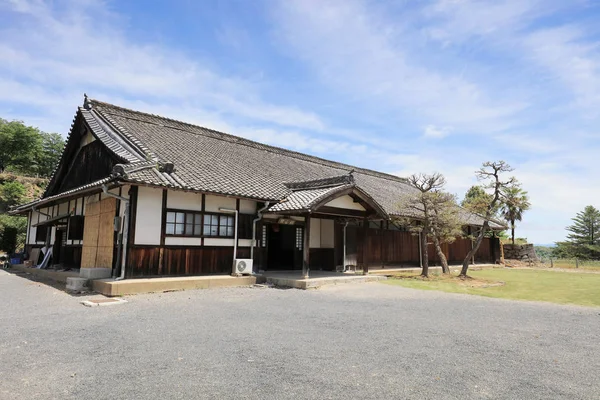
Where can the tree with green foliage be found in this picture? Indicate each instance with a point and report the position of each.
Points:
(51, 149)
(584, 240)
(440, 220)
(12, 193)
(446, 224)
(9, 226)
(491, 173)
(27, 150)
(515, 203)
(477, 200)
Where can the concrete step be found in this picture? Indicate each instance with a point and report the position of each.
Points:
(110, 287)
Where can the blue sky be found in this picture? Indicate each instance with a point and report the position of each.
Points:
(398, 86)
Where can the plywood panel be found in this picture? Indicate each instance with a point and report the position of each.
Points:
(108, 205)
(90, 230)
(106, 229)
(88, 256)
(104, 257)
(92, 208)
(98, 234)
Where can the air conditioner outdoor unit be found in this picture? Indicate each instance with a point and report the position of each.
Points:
(242, 266)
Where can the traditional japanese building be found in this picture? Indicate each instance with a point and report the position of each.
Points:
(138, 195)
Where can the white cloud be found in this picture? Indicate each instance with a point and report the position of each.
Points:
(432, 131)
(569, 55)
(358, 51)
(51, 66)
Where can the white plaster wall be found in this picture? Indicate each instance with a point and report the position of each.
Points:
(327, 241)
(86, 139)
(213, 203)
(76, 206)
(218, 242)
(315, 233)
(182, 241)
(226, 242)
(121, 205)
(63, 208)
(245, 243)
(32, 230)
(34, 220)
(345, 202)
(184, 200)
(247, 207)
(149, 215)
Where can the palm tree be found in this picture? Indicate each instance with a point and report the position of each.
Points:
(516, 202)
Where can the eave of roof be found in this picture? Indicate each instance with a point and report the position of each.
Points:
(209, 161)
(23, 208)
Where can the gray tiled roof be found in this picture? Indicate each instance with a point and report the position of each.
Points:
(81, 189)
(209, 161)
(305, 199)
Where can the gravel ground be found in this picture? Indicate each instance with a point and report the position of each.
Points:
(354, 341)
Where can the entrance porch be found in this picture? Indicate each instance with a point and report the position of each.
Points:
(294, 279)
(308, 229)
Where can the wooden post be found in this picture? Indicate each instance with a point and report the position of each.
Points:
(306, 248)
(365, 246)
(382, 244)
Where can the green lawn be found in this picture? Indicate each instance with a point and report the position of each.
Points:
(556, 287)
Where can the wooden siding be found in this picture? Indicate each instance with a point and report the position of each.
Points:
(80, 173)
(176, 260)
(322, 259)
(71, 256)
(384, 248)
(391, 247)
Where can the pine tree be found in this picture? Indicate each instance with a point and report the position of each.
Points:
(584, 239)
(586, 227)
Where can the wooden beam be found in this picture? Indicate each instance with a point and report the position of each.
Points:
(342, 211)
(365, 246)
(306, 248)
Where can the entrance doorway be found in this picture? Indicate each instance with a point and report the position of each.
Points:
(59, 242)
(283, 252)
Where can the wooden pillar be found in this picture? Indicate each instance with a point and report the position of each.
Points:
(365, 246)
(306, 248)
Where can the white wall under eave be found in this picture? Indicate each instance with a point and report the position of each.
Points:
(345, 202)
(327, 241)
(149, 216)
(315, 233)
(63, 208)
(321, 233)
(31, 234)
(247, 206)
(184, 200)
(213, 203)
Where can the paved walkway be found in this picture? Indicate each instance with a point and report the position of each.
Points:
(367, 341)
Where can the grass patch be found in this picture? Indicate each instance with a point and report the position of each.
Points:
(538, 285)
(591, 265)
